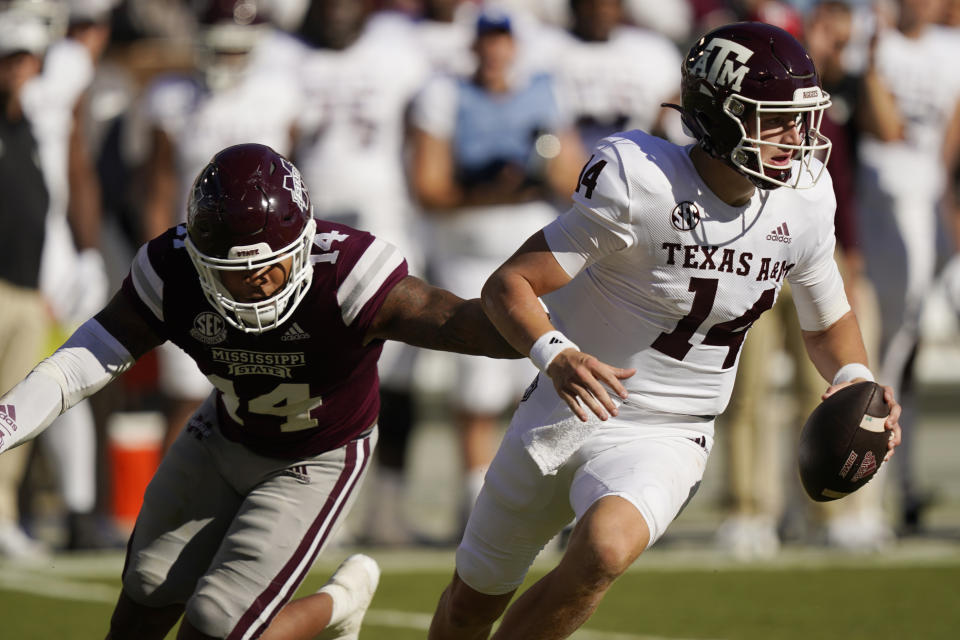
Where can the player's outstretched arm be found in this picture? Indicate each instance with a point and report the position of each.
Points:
(841, 358)
(510, 298)
(97, 352)
(427, 316)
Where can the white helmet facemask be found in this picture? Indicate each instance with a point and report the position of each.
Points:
(261, 315)
(808, 107)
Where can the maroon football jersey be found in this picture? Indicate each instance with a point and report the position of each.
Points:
(307, 386)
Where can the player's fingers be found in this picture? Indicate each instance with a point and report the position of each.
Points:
(611, 376)
(591, 381)
(893, 442)
(623, 374)
(574, 405)
(895, 408)
(589, 393)
(832, 389)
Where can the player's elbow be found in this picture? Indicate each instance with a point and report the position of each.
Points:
(495, 289)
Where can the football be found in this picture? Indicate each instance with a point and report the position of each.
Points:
(843, 442)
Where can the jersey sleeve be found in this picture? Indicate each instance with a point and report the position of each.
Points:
(599, 222)
(368, 269)
(167, 101)
(435, 106)
(67, 72)
(818, 290)
(145, 284)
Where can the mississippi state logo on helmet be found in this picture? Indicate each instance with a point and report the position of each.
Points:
(248, 209)
(741, 72)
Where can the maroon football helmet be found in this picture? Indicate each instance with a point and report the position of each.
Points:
(744, 71)
(249, 208)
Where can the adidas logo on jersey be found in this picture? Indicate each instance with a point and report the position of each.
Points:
(780, 234)
(8, 416)
(294, 333)
(298, 473)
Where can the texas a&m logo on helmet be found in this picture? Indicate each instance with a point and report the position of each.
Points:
(722, 62)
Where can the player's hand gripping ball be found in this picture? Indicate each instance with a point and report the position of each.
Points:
(843, 442)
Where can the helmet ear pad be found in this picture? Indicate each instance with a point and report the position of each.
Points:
(704, 115)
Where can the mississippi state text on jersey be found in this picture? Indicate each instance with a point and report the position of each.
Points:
(308, 386)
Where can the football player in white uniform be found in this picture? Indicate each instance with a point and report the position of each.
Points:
(666, 258)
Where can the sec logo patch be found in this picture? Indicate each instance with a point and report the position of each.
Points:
(685, 216)
(209, 328)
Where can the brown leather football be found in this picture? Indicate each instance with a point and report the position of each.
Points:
(843, 442)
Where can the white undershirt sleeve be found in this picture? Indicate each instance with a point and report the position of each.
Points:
(86, 362)
(822, 302)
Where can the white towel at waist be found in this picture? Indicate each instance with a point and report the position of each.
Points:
(551, 445)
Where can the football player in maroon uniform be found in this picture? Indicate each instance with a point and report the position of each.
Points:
(286, 315)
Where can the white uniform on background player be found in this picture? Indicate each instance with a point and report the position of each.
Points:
(445, 31)
(901, 185)
(491, 154)
(244, 90)
(359, 73)
(73, 277)
(667, 257)
(610, 77)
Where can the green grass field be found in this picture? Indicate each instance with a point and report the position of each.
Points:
(668, 596)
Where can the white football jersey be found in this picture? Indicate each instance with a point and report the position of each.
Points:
(447, 45)
(49, 100)
(609, 86)
(351, 131)
(261, 108)
(667, 278)
(913, 69)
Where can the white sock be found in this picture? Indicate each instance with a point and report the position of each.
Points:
(341, 602)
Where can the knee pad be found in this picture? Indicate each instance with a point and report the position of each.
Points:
(209, 616)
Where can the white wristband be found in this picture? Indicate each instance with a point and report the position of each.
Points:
(853, 370)
(547, 346)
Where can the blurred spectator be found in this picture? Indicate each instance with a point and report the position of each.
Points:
(610, 76)
(73, 274)
(672, 18)
(241, 90)
(759, 491)
(911, 122)
(490, 153)
(709, 14)
(359, 72)
(950, 21)
(23, 211)
(445, 30)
